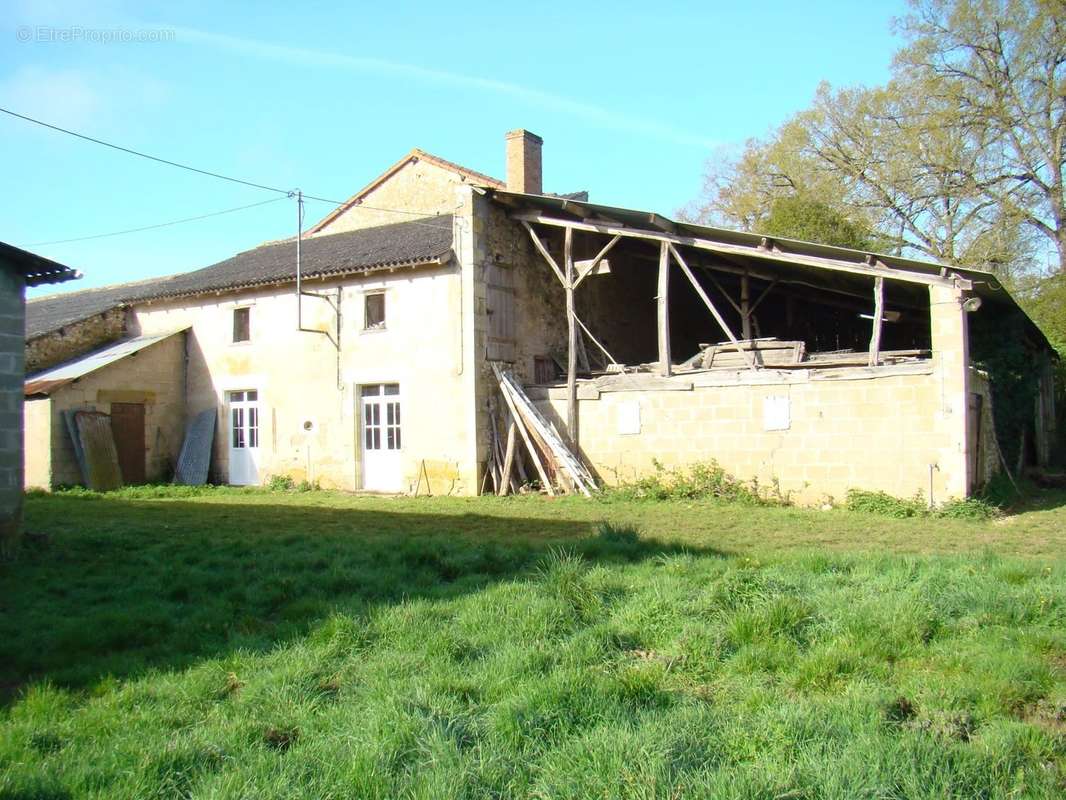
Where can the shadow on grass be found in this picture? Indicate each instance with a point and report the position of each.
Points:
(123, 586)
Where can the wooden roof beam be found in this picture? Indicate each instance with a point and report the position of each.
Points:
(724, 248)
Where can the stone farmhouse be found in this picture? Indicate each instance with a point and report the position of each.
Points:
(640, 339)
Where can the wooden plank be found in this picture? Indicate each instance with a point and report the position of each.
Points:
(571, 339)
(508, 459)
(533, 455)
(642, 382)
(663, 306)
(859, 373)
(825, 263)
(544, 252)
(707, 302)
(879, 313)
(566, 460)
(588, 270)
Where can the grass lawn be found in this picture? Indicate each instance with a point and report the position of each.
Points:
(246, 644)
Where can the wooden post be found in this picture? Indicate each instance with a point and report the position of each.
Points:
(745, 306)
(571, 334)
(747, 355)
(879, 313)
(664, 308)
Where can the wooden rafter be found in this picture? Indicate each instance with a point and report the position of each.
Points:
(724, 248)
(544, 252)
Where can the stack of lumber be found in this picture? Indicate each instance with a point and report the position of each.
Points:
(558, 468)
(765, 352)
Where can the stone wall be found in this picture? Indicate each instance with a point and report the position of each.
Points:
(12, 327)
(154, 376)
(418, 187)
(304, 377)
(74, 340)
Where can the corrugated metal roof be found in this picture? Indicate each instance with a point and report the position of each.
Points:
(36, 269)
(44, 383)
(762, 247)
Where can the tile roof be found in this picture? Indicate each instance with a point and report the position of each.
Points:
(400, 244)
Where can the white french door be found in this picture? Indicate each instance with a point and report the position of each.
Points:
(244, 437)
(382, 438)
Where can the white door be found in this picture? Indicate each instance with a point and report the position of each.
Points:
(244, 438)
(382, 443)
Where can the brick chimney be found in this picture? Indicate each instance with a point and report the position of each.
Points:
(524, 162)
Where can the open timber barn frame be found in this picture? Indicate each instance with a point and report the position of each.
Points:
(459, 348)
(813, 368)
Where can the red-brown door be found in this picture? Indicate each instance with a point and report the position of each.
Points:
(127, 423)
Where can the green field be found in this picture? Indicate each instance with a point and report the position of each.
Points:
(161, 643)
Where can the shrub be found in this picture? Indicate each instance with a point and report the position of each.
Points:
(281, 483)
(704, 480)
(888, 506)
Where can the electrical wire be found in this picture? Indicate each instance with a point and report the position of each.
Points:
(286, 192)
(160, 225)
(209, 173)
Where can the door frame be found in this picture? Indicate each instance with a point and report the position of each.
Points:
(249, 430)
(381, 400)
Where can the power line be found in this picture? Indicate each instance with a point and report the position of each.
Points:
(160, 225)
(209, 173)
(286, 192)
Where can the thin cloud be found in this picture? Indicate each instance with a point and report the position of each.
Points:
(536, 97)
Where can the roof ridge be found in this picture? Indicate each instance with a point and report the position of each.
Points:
(458, 167)
(413, 154)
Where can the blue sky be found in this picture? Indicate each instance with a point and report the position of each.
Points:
(632, 99)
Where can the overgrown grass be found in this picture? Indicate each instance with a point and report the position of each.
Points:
(976, 508)
(704, 481)
(230, 643)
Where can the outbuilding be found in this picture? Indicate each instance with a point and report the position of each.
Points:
(19, 269)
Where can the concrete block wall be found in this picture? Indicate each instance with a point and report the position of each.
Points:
(874, 433)
(74, 340)
(12, 332)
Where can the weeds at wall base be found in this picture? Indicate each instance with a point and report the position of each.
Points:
(705, 480)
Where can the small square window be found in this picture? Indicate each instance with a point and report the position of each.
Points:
(242, 329)
(374, 311)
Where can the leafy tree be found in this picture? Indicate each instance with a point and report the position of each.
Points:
(800, 217)
(932, 161)
(1000, 65)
